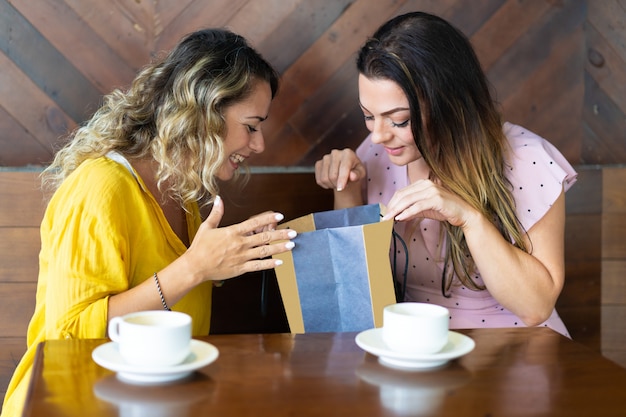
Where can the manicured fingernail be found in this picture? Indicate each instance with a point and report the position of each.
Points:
(292, 234)
(290, 245)
(278, 262)
(279, 217)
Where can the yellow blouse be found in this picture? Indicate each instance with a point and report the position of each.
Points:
(103, 233)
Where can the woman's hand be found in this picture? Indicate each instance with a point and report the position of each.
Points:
(426, 199)
(266, 227)
(338, 169)
(343, 172)
(218, 253)
(214, 255)
(526, 284)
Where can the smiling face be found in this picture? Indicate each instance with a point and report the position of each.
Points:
(387, 115)
(243, 128)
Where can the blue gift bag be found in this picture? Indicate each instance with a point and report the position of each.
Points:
(338, 276)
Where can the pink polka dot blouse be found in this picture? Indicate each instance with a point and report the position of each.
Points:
(538, 173)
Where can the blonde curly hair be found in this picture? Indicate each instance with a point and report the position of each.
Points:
(173, 113)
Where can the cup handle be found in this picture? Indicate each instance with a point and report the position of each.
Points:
(114, 328)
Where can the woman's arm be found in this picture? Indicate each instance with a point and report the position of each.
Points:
(526, 284)
(215, 254)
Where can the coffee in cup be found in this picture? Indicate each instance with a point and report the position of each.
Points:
(415, 328)
(152, 338)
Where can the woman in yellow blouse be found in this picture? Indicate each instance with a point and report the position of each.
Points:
(122, 231)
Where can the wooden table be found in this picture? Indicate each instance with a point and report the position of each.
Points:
(511, 372)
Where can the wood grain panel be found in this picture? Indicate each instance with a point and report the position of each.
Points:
(583, 237)
(319, 63)
(536, 47)
(246, 21)
(288, 142)
(614, 190)
(606, 66)
(13, 348)
(351, 125)
(613, 233)
(89, 54)
(614, 264)
(30, 148)
(35, 110)
(43, 64)
(197, 14)
(305, 22)
(166, 11)
(605, 125)
(126, 27)
(83, 49)
(585, 196)
(19, 254)
(579, 302)
(292, 194)
(604, 115)
(617, 356)
(533, 82)
(613, 334)
(614, 283)
(18, 304)
(22, 204)
(504, 28)
(328, 105)
(469, 19)
(546, 96)
(608, 17)
(443, 8)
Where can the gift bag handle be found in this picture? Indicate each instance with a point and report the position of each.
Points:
(401, 291)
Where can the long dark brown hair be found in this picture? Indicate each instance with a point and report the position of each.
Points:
(454, 121)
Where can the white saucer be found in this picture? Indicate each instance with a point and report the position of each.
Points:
(371, 341)
(108, 356)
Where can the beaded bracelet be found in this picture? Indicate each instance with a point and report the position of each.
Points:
(156, 280)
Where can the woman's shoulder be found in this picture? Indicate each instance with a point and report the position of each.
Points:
(102, 173)
(537, 171)
(97, 181)
(535, 156)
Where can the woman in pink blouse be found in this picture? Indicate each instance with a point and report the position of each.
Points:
(478, 202)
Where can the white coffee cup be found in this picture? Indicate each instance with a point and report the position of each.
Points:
(152, 338)
(415, 328)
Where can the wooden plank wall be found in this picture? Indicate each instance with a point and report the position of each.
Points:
(579, 303)
(614, 264)
(604, 109)
(21, 211)
(58, 57)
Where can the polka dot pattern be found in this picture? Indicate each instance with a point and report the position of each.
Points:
(538, 173)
